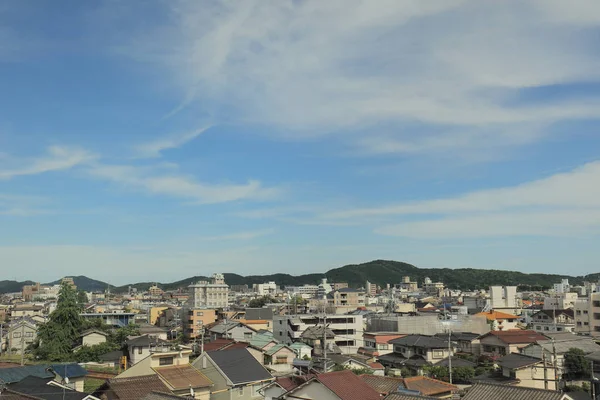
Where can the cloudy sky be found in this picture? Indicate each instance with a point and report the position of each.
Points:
(155, 140)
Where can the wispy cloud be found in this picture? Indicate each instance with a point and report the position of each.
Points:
(247, 235)
(58, 158)
(22, 206)
(352, 66)
(154, 181)
(155, 148)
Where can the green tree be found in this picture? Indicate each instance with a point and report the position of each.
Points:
(119, 336)
(93, 353)
(82, 299)
(261, 301)
(576, 365)
(57, 336)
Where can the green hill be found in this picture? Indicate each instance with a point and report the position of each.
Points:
(379, 272)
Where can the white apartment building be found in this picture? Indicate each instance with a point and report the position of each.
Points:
(504, 298)
(562, 287)
(264, 289)
(587, 315)
(324, 288)
(306, 290)
(432, 287)
(560, 301)
(214, 294)
(348, 329)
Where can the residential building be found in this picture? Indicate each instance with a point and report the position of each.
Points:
(370, 289)
(490, 391)
(173, 368)
(29, 292)
(155, 312)
(378, 343)
(500, 321)
(195, 320)
(342, 385)
(324, 289)
(545, 321)
(501, 343)
(340, 285)
(504, 298)
(235, 330)
(92, 337)
(346, 298)
(265, 289)
(69, 281)
(302, 350)
(466, 342)
(562, 287)
(214, 294)
(306, 291)
(140, 347)
(279, 358)
(417, 385)
(320, 338)
(560, 301)
(528, 371)
(134, 388)
(26, 310)
(587, 315)
(426, 324)
(417, 351)
(33, 387)
(235, 374)
(347, 329)
(155, 291)
(407, 285)
(55, 373)
(116, 319)
(21, 333)
(433, 288)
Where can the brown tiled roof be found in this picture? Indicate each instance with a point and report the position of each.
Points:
(217, 344)
(347, 386)
(376, 365)
(289, 383)
(383, 384)
(183, 376)
(518, 336)
(405, 396)
(428, 386)
(135, 388)
(488, 391)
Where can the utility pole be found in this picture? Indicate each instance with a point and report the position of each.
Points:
(1, 341)
(450, 355)
(202, 343)
(324, 342)
(592, 388)
(22, 342)
(545, 370)
(555, 365)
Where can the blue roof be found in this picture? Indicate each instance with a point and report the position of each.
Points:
(72, 370)
(17, 374)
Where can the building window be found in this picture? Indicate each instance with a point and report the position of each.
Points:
(240, 391)
(140, 350)
(247, 335)
(438, 354)
(199, 314)
(586, 323)
(281, 360)
(578, 323)
(16, 334)
(28, 334)
(383, 347)
(538, 328)
(280, 333)
(165, 361)
(546, 328)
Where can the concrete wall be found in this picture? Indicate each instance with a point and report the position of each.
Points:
(426, 324)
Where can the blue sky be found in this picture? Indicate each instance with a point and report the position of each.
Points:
(159, 140)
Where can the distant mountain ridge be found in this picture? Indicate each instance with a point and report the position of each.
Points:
(378, 271)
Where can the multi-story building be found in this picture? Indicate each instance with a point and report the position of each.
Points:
(407, 285)
(155, 291)
(21, 333)
(434, 288)
(195, 319)
(70, 281)
(305, 291)
(562, 287)
(324, 289)
(264, 289)
(347, 297)
(378, 343)
(504, 298)
(371, 289)
(340, 285)
(587, 315)
(546, 321)
(560, 301)
(348, 329)
(214, 294)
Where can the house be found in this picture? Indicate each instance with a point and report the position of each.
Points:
(263, 341)
(21, 333)
(71, 375)
(545, 321)
(56, 373)
(416, 351)
(195, 320)
(560, 345)
(235, 374)
(342, 385)
(353, 362)
(153, 331)
(173, 368)
(419, 385)
(500, 321)
(33, 387)
(407, 395)
(279, 358)
(314, 335)
(528, 371)
(501, 343)
(232, 330)
(302, 350)
(134, 388)
(26, 310)
(377, 343)
(489, 391)
(92, 337)
(467, 342)
(284, 384)
(140, 347)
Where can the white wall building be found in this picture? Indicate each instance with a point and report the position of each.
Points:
(348, 329)
(562, 287)
(264, 289)
(324, 288)
(560, 301)
(214, 294)
(504, 297)
(306, 290)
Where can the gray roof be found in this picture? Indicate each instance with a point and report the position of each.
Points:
(224, 326)
(34, 387)
(259, 313)
(459, 336)
(239, 366)
(456, 362)
(317, 333)
(563, 345)
(16, 374)
(515, 361)
(422, 341)
(406, 396)
(489, 391)
(145, 341)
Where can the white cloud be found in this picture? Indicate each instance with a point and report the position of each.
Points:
(155, 148)
(21, 206)
(317, 67)
(58, 158)
(154, 181)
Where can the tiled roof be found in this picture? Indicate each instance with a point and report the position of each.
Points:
(162, 396)
(488, 391)
(316, 333)
(218, 344)
(456, 362)
(383, 384)
(16, 374)
(291, 382)
(406, 396)
(428, 386)
(376, 365)
(496, 315)
(134, 388)
(38, 388)
(517, 336)
(239, 366)
(422, 341)
(183, 376)
(72, 370)
(347, 386)
(569, 312)
(515, 361)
